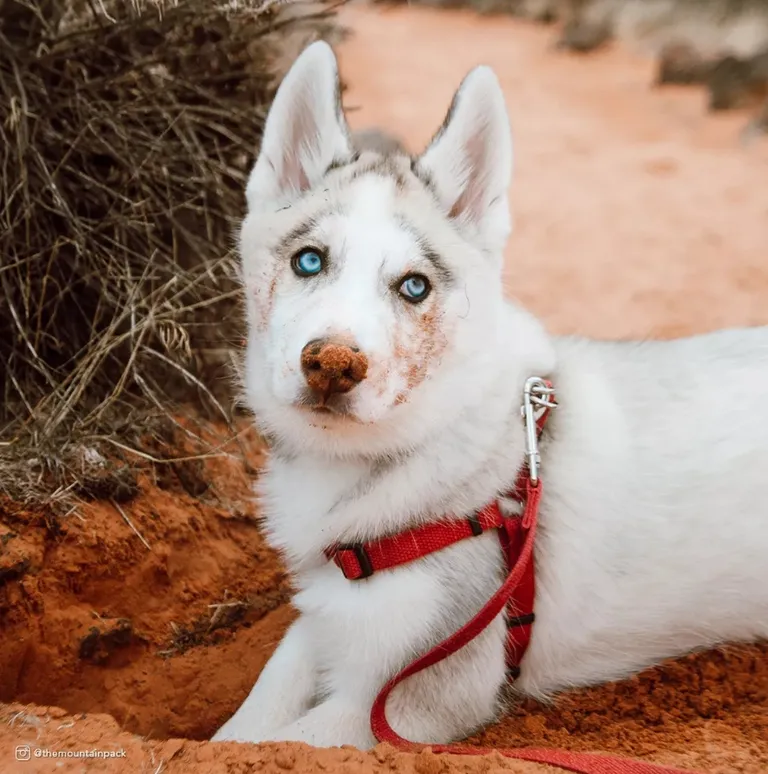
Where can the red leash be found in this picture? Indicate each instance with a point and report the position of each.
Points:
(517, 535)
(583, 763)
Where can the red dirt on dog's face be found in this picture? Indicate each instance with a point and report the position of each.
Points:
(418, 350)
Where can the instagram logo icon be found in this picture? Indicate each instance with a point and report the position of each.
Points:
(23, 752)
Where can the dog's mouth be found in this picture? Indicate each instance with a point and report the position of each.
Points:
(337, 406)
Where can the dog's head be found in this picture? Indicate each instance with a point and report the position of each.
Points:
(372, 279)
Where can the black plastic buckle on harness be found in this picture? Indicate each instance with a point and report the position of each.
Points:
(358, 549)
(520, 620)
(475, 525)
(513, 672)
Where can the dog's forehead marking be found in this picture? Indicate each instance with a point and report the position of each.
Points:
(376, 224)
(366, 221)
(400, 169)
(304, 228)
(368, 238)
(397, 167)
(360, 216)
(367, 185)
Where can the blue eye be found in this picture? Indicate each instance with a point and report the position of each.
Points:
(307, 263)
(414, 288)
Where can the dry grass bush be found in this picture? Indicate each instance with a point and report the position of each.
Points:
(126, 131)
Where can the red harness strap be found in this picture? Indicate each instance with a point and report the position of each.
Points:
(358, 561)
(517, 534)
(361, 560)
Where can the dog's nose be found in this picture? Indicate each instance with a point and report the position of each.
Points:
(332, 366)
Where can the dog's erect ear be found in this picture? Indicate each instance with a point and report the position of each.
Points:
(469, 161)
(305, 129)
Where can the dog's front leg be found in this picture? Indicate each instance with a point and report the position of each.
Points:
(336, 721)
(284, 690)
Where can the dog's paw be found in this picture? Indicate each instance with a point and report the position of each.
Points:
(240, 730)
(225, 735)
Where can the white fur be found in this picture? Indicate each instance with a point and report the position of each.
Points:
(654, 520)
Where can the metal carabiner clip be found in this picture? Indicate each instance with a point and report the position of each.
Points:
(536, 395)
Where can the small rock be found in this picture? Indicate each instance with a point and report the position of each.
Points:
(285, 759)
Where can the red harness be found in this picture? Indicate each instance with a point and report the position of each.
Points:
(516, 594)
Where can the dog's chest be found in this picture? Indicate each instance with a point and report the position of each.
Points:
(353, 624)
(356, 625)
(298, 500)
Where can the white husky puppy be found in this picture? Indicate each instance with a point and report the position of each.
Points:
(387, 369)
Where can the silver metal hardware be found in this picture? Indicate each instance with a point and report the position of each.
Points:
(537, 397)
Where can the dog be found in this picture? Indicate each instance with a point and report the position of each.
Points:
(387, 370)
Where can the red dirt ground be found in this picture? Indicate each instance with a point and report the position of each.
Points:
(637, 215)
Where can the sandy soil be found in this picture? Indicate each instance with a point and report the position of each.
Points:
(637, 215)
